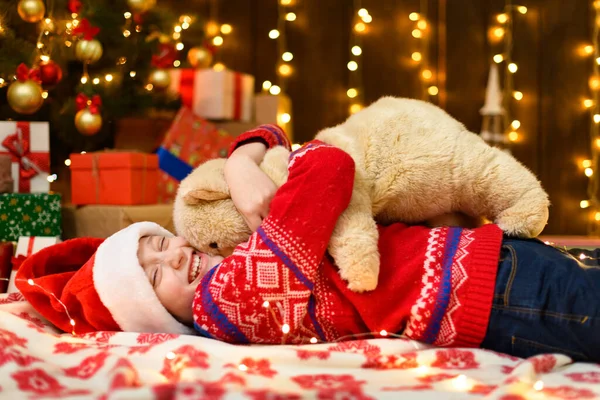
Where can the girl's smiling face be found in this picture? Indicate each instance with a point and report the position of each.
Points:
(174, 269)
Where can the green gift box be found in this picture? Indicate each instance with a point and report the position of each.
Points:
(29, 214)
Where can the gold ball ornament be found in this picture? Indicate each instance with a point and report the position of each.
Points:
(25, 97)
(88, 51)
(200, 57)
(88, 123)
(140, 6)
(31, 10)
(160, 79)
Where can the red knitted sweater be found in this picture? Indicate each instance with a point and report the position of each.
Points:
(435, 285)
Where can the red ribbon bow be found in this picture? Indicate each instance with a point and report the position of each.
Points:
(86, 29)
(94, 103)
(17, 261)
(24, 73)
(74, 6)
(167, 54)
(19, 147)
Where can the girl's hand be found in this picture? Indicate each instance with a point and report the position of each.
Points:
(250, 188)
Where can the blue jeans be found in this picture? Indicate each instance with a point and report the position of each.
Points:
(545, 301)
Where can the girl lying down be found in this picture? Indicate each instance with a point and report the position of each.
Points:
(446, 286)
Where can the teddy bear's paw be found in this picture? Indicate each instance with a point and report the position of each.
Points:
(522, 224)
(364, 284)
(361, 272)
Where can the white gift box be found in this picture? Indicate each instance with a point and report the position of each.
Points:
(26, 246)
(28, 144)
(215, 95)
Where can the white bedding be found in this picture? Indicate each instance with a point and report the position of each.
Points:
(38, 362)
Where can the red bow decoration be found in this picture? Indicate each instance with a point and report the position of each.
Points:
(82, 101)
(75, 6)
(29, 164)
(17, 261)
(86, 29)
(167, 54)
(24, 73)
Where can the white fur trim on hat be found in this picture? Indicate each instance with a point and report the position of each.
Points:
(123, 287)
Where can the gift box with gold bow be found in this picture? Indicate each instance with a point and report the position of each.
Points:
(28, 145)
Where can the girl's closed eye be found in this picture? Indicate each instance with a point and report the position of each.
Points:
(154, 275)
(162, 244)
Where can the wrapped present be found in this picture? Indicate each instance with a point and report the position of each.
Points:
(189, 142)
(26, 246)
(28, 145)
(215, 95)
(6, 256)
(122, 178)
(103, 221)
(29, 214)
(6, 180)
(274, 109)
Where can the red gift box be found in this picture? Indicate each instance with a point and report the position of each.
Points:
(189, 142)
(120, 178)
(6, 255)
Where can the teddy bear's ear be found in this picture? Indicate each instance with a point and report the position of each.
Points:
(196, 196)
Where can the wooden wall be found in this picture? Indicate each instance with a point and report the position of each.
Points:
(552, 76)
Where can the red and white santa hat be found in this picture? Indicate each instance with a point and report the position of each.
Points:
(100, 283)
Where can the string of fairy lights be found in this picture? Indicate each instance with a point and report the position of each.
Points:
(421, 33)
(283, 67)
(360, 26)
(460, 383)
(503, 32)
(593, 105)
(216, 33)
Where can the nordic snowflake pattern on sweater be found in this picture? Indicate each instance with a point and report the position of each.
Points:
(282, 287)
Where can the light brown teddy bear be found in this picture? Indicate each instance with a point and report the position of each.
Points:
(413, 162)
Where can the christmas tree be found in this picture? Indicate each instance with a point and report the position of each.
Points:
(96, 61)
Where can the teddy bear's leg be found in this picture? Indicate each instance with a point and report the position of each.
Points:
(354, 242)
(500, 188)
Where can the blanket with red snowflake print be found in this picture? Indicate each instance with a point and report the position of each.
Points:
(38, 362)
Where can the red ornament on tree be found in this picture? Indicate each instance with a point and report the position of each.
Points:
(50, 74)
(74, 6)
(167, 54)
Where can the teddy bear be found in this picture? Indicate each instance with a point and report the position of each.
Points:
(414, 162)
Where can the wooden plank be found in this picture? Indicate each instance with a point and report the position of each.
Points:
(467, 60)
(564, 124)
